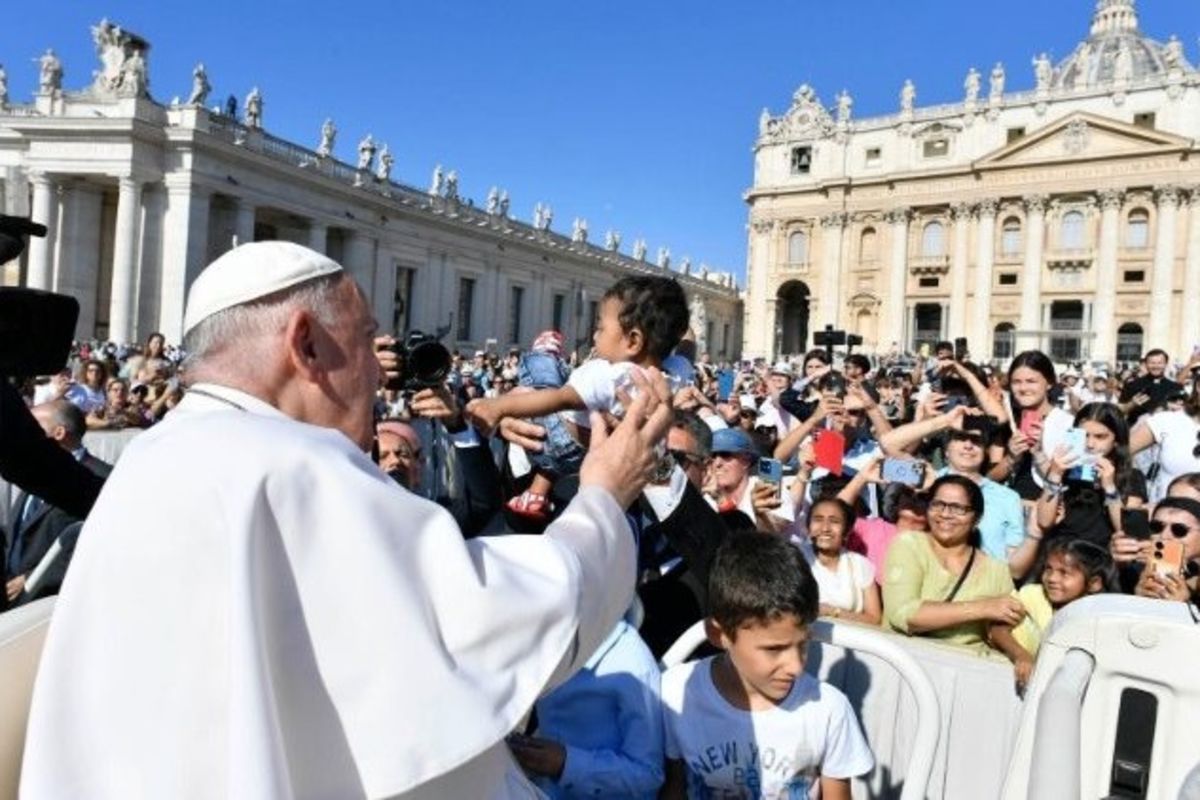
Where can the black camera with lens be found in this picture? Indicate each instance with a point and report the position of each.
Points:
(424, 363)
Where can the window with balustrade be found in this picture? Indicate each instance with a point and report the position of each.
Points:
(1010, 237)
(798, 248)
(1071, 235)
(933, 239)
(1137, 229)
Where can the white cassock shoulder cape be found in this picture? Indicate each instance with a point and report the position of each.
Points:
(255, 610)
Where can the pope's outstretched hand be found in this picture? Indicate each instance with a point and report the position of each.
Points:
(621, 461)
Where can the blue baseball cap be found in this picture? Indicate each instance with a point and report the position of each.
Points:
(733, 440)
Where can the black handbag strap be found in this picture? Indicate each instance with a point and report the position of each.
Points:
(962, 578)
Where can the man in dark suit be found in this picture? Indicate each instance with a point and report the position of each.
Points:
(35, 525)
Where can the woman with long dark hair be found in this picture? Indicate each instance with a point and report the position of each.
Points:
(1084, 500)
(1037, 426)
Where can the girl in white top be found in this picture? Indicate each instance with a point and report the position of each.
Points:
(846, 580)
(1038, 426)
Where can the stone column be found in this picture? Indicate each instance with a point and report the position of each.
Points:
(833, 227)
(760, 328)
(895, 317)
(961, 213)
(318, 233)
(1189, 330)
(980, 329)
(185, 249)
(123, 309)
(1028, 335)
(359, 259)
(1162, 276)
(41, 249)
(243, 226)
(1104, 310)
(79, 269)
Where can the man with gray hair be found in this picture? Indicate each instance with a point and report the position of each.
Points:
(257, 610)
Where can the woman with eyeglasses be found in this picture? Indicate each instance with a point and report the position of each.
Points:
(940, 584)
(1175, 519)
(1176, 431)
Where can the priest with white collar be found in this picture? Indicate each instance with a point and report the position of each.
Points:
(255, 610)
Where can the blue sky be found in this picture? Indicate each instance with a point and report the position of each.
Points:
(638, 116)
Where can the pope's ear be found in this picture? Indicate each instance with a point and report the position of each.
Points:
(300, 342)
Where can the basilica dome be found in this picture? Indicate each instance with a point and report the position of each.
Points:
(1117, 50)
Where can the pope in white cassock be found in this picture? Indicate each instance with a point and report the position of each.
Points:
(255, 610)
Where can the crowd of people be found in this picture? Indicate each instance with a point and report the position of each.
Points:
(926, 494)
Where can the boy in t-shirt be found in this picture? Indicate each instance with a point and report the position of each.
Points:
(641, 319)
(750, 723)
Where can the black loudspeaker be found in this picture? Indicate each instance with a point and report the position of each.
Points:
(36, 330)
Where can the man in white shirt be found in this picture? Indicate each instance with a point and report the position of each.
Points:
(262, 612)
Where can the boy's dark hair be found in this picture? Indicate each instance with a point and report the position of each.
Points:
(757, 577)
(655, 306)
(859, 360)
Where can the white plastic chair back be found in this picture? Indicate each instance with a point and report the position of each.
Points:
(22, 634)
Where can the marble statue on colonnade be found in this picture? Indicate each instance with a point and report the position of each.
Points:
(437, 182)
(971, 86)
(639, 249)
(50, 73)
(845, 104)
(908, 97)
(386, 162)
(612, 241)
(200, 86)
(504, 203)
(366, 153)
(3, 87)
(1043, 72)
(997, 83)
(664, 258)
(254, 108)
(579, 230)
(328, 135)
(452, 185)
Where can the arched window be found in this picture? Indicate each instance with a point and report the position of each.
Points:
(933, 240)
(1010, 237)
(1003, 340)
(798, 248)
(1129, 342)
(867, 245)
(1137, 229)
(1071, 237)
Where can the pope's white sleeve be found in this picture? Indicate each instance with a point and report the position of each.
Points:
(595, 529)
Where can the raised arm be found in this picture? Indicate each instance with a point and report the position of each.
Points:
(905, 438)
(486, 413)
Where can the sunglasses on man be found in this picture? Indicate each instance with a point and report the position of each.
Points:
(1178, 529)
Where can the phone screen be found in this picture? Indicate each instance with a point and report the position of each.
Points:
(903, 470)
(1030, 419)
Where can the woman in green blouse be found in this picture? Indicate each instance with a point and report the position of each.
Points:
(940, 584)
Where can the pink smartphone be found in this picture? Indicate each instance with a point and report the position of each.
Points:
(1030, 420)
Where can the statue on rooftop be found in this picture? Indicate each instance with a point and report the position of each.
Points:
(639, 249)
(51, 73)
(1173, 53)
(971, 86)
(3, 87)
(1043, 72)
(579, 231)
(504, 203)
(254, 106)
(612, 241)
(328, 136)
(437, 183)
(386, 162)
(452, 185)
(997, 82)
(845, 104)
(134, 81)
(200, 86)
(231, 107)
(908, 97)
(664, 258)
(366, 153)
(493, 201)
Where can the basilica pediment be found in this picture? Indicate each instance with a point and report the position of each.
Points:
(1082, 137)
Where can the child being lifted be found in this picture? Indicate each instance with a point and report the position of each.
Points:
(641, 320)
